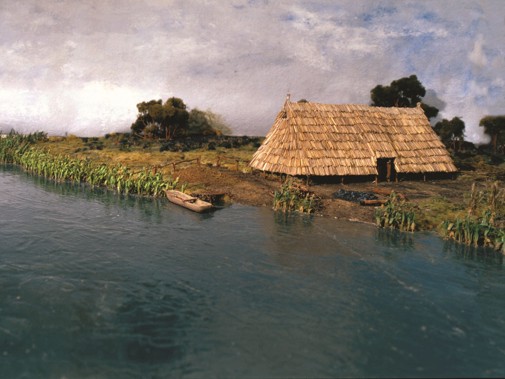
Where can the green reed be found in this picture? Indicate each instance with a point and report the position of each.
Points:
(486, 229)
(20, 150)
(396, 213)
(13, 145)
(290, 198)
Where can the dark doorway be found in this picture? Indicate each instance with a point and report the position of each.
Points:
(386, 169)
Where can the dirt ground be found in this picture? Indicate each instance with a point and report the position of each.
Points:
(257, 189)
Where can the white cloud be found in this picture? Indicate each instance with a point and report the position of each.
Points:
(477, 56)
(85, 65)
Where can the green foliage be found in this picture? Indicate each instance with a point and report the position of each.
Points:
(290, 198)
(175, 117)
(396, 213)
(217, 123)
(13, 145)
(63, 168)
(404, 93)
(486, 229)
(494, 126)
(156, 119)
(147, 112)
(450, 132)
(475, 231)
(171, 120)
(200, 124)
(429, 111)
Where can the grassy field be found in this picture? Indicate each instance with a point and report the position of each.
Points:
(147, 154)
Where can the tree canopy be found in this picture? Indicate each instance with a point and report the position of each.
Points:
(171, 119)
(494, 126)
(206, 123)
(404, 93)
(156, 119)
(450, 131)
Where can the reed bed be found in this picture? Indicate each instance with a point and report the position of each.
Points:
(484, 222)
(396, 213)
(289, 198)
(14, 145)
(19, 150)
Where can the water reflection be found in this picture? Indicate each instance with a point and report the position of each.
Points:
(288, 219)
(395, 239)
(472, 253)
(152, 209)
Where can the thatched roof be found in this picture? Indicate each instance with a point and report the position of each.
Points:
(329, 139)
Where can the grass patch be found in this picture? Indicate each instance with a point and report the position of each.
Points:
(434, 210)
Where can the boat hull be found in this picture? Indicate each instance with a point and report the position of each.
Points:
(189, 202)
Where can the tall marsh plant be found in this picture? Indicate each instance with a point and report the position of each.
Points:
(14, 145)
(18, 149)
(396, 213)
(289, 198)
(484, 223)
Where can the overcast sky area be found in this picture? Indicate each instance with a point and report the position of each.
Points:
(80, 67)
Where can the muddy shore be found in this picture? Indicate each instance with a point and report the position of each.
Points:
(225, 170)
(256, 189)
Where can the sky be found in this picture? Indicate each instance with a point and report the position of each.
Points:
(80, 67)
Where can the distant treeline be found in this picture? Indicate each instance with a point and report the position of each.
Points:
(180, 144)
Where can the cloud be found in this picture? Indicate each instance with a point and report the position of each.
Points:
(477, 56)
(81, 67)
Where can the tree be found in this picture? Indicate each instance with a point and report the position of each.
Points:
(450, 132)
(206, 123)
(175, 117)
(146, 116)
(218, 123)
(494, 126)
(198, 123)
(155, 119)
(404, 93)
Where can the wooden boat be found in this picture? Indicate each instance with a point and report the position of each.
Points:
(187, 201)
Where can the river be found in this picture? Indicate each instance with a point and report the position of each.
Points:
(96, 285)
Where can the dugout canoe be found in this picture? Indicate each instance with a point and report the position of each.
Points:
(188, 201)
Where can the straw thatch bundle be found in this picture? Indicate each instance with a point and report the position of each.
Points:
(329, 139)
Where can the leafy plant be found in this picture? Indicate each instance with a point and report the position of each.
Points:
(18, 149)
(290, 198)
(396, 213)
(480, 230)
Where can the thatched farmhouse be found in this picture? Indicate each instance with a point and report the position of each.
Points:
(311, 139)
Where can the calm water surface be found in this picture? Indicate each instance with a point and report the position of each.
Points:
(93, 285)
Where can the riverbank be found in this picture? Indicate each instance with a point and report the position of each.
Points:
(219, 166)
(222, 168)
